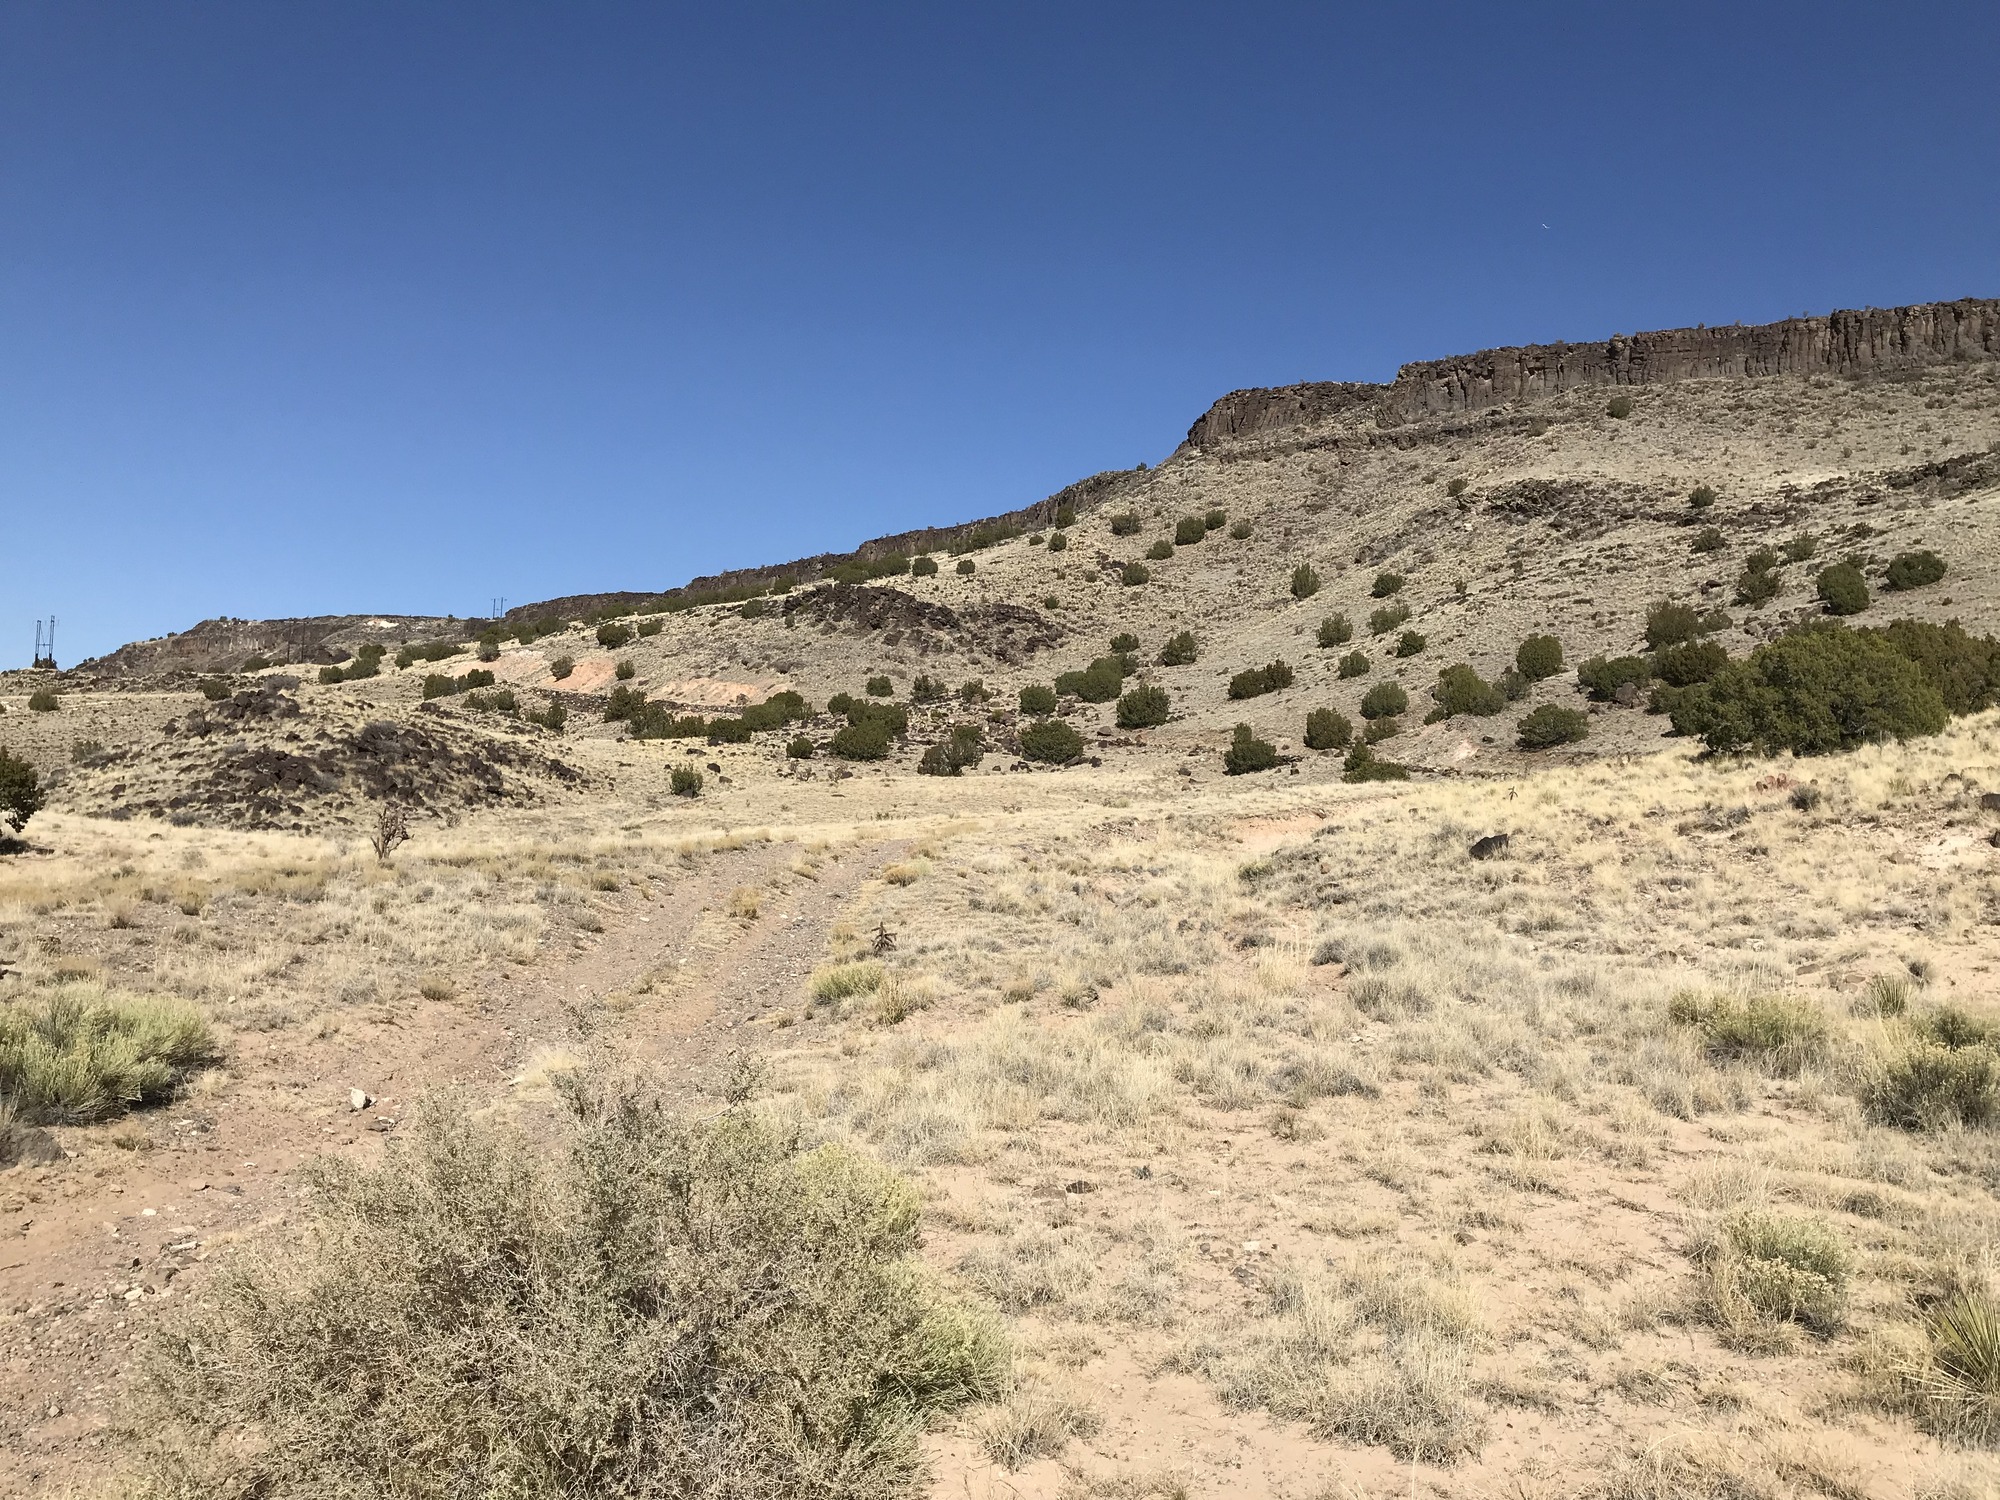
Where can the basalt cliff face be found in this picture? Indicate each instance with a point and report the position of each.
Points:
(1870, 340)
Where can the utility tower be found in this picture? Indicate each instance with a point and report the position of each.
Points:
(45, 644)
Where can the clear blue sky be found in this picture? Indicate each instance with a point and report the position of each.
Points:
(325, 307)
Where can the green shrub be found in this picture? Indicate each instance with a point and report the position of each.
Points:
(1384, 701)
(1161, 550)
(1788, 1267)
(879, 687)
(684, 781)
(648, 1306)
(927, 689)
(1551, 725)
(925, 567)
(1460, 690)
(1386, 584)
(1410, 643)
(1240, 531)
(1913, 570)
(1957, 1390)
(1964, 669)
(655, 722)
(1386, 619)
(800, 747)
(1455, 488)
(1513, 686)
(1812, 691)
(1050, 741)
(20, 790)
(1689, 663)
(1800, 547)
(1335, 630)
(437, 685)
(82, 1053)
(502, 701)
(892, 716)
(865, 739)
(1100, 682)
(1144, 707)
(966, 567)
(1180, 650)
(625, 704)
(1134, 574)
(1782, 1035)
(950, 756)
(723, 730)
(1328, 729)
(1124, 643)
(44, 700)
(1354, 664)
(1539, 657)
(1925, 1085)
(1709, 539)
(257, 663)
(1037, 699)
(1603, 678)
(1188, 530)
(561, 667)
(1305, 582)
(1377, 730)
(477, 677)
(1125, 523)
(651, 627)
(1842, 589)
(1247, 753)
(1213, 518)
(215, 689)
(1058, 542)
(1618, 407)
(1254, 682)
(551, 718)
(411, 655)
(1669, 624)
(625, 671)
(1701, 497)
(973, 690)
(328, 676)
(1362, 765)
(1756, 586)
(611, 635)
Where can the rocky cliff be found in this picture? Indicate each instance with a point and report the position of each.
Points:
(1842, 343)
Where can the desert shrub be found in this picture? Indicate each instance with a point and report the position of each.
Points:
(1455, 488)
(1386, 584)
(1240, 531)
(502, 701)
(1756, 586)
(1161, 550)
(865, 740)
(1783, 1266)
(1539, 657)
(624, 703)
(612, 634)
(963, 747)
(1781, 1034)
(1550, 725)
(1602, 678)
(1800, 547)
(625, 671)
(1689, 662)
(651, 1306)
(1708, 539)
(410, 655)
(1669, 624)
(44, 700)
(724, 730)
(437, 685)
(1180, 650)
(1305, 582)
(1247, 753)
(1460, 690)
(1386, 619)
(1254, 682)
(1188, 530)
(1050, 741)
(551, 718)
(1913, 570)
(1038, 699)
(966, 567)
(1377, 730)
(1328, 729)
(973, 690)
(82, 1053)
(1812, 691)
(1058, 542)
(327, 677)
(879, 687)
(1701, 497)
(1363, 765)
(654, 721)
(1411, 643)
(489, 649)
(477, 677)
(215, 689)
(649, 628)
(1335, 630)
(1213, 518)
(1384, 701)
(1133, 574)
(684, 781)
(799, 747)
(926, 567)
(1125, 523)
(1618, 407)
(1965, 669)
(841, 704)
(256, 662)
(1956, 1388)
(1354, 664)
(561, 667)
(1842, 589)
(1513, 686)
(1124, 643)
(928, 689)
(20, 790)
(1943, 1070)
(1144, 707)
(1099, 682)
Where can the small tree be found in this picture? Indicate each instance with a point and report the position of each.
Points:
(1354, 664)
(44, 700)
(1602, 678)
(1460, 690)
(1668, 624)
(1913, 570)
(1058, 542)
(1701, 497)
(1384, 701)
(1539, 657)
(1144, 707)
(625, 671)
(1124, 641)
(1327, 729)
(1305, 582)
(684, 781)
(1214, 518)
(1038, 698)
(1180, 650)
(611, 634)
(1709, 539)
(1161, 550)
(1386, 584)
(800, 747)
(1411, 643)
(561, 667)
(1335, 630)
(1842, 589)
(966, 567)
(392, 827)
(1051, 741)
(1248, 753)
(1188, 530)
(1386, 619)
(1133, 574)
(1361, 765)
(926, 567)
(1552, 724)
(1618, 408)
(880, 687)
(20, 791)
(1125, 523)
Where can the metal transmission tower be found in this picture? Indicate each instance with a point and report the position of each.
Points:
(45, 653)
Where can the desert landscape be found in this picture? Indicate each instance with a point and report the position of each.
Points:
(1439, 940)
